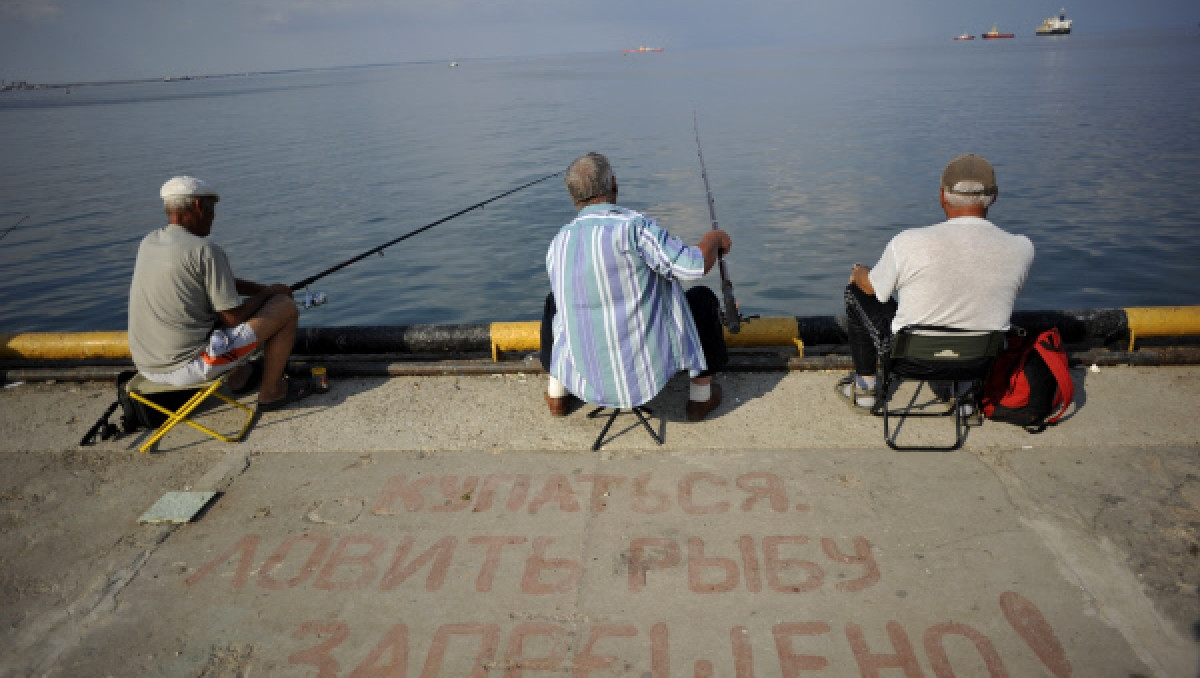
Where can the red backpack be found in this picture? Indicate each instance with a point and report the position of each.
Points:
(1030, 384)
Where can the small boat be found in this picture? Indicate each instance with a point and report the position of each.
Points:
(995, 33)
(1059, 25)
(965, 36)
(640, 50)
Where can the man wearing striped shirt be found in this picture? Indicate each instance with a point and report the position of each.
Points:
(618, 324)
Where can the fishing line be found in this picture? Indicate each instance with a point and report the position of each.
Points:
(14, 226)
(376, 250)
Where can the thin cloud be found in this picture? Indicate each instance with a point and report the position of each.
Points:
(32, 10)
(286, 11)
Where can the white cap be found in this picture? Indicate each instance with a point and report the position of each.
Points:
(185, 186)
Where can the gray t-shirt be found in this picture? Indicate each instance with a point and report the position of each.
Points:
(180, 282)
(963, 273)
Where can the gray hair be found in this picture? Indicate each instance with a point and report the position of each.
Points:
(983, 200)
(590, 176)
(175, 203)
(178, 203)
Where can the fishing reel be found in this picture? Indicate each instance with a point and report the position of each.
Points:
(731, 313)
(311, 299)
(734, 321)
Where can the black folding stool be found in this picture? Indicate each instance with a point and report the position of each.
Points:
(929, 353)
(639, 410)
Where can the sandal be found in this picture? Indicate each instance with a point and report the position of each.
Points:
(253, 381)
(297, 389)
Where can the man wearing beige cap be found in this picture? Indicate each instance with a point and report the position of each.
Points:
(188, 321)
(964, 272)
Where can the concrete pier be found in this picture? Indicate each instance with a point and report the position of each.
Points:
(448, 526)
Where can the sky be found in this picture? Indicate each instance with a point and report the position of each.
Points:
(64, 41)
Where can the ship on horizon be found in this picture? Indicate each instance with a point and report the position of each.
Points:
(995, 33)
(639, 50)
(1059, 25)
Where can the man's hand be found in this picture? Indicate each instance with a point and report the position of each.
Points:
(714, 243)
(861, 275)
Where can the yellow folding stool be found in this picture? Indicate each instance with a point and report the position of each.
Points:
(142, 389)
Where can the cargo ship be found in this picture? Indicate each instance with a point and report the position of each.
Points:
(1059, 25)
(995, 33)
(639, 50)
(965, 36)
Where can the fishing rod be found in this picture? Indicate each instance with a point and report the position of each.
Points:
(312, 299)
(729, 314)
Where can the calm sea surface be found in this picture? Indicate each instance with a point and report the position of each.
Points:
(816, 158)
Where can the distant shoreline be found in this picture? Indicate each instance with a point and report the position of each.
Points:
(23, 86)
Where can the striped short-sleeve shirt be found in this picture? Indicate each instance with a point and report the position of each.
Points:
(623, 326)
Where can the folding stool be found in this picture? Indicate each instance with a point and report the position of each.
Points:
(142, 390)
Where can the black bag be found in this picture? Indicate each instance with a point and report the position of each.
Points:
(135, 415)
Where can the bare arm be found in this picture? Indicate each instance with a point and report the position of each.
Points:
(713, 244)
(247, 288)
(257, 295)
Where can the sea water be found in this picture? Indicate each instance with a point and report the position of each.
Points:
(816, 156)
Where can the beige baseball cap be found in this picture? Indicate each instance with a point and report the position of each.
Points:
(188, 187)
(969, 174)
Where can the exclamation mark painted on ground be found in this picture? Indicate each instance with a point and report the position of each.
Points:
(660, 651)
(1029, 623)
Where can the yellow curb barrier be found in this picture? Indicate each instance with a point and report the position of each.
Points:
(764, 332)
(522, 336)
(64, 345)
(1162, 321)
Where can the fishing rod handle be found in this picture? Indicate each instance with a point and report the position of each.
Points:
(731, 315)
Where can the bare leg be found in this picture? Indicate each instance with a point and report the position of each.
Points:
(239, 376)
(275, 326)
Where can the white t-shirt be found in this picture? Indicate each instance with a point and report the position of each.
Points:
(963, 273)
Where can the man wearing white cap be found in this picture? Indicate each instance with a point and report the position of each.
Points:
(964, 272)
(188, 322)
